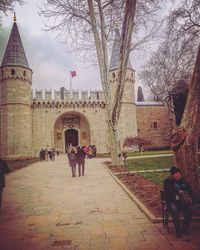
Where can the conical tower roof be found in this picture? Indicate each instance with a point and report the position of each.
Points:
(15, 54)
(115, 56)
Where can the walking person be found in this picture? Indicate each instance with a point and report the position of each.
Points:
(72, 160)
(179, 200)
(3, 170)
(81, 161)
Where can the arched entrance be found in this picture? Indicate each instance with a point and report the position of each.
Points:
(71, 128)
(71, 137)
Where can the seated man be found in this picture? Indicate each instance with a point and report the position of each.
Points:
(173, 187)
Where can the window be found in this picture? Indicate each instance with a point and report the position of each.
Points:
(155, 125)
(2, 73)
(113, 75)
(12, 72)
(24, 73)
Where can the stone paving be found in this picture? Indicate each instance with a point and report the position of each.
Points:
(45, 208)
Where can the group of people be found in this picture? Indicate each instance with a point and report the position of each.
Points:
(76, 156)
(47, 154)
(91, 151)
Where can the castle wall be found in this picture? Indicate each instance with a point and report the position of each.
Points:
(153, 124)
(46, 114)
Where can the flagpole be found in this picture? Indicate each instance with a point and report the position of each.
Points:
(70, 90)
(70, 82)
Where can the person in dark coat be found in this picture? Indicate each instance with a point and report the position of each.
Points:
(72, 154)
(3, 170)
(81, 160)
(173, 187)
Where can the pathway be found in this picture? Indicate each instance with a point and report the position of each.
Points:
(45, 208)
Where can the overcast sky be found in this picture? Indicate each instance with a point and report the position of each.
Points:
(47, 56)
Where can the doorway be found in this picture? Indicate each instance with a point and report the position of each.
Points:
(71, 137)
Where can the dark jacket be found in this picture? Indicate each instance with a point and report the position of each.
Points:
(80, 155)
(172, 187)
(3, 170)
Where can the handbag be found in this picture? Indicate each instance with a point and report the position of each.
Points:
(185, 198)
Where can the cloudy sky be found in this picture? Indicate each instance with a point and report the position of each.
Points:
(47, 56)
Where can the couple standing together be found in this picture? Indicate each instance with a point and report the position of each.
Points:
(76, 155)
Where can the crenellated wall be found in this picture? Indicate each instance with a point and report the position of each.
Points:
(46, 124)
(67, 95)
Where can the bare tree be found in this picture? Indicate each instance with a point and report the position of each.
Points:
(184, 24)
(171, 63)
(182, 31)
(91, 24)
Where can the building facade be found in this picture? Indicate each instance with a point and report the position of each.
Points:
(31, 120)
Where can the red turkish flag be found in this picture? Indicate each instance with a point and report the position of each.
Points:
(73, 73)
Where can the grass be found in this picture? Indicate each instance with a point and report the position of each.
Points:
(155, 177)
(149, 153)
(107, 155)
(164, 162)
(149, 163)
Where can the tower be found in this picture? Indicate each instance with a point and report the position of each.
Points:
(15, 99)
(127, 122)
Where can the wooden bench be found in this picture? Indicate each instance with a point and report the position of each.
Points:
(166, 212)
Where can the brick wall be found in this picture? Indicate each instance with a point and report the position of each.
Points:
(153, 124)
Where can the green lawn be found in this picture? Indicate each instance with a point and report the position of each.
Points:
(139, 153)
(149, 153)
(164, 162)
(149, 163)
(157, 178)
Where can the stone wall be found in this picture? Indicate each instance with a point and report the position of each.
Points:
(153, 123)
(46, 124)
(16, 119)
(127, 124)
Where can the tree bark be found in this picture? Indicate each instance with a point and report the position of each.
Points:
(114, 145)
(185, 147)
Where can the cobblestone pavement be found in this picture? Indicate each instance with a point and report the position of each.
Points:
(45, 208)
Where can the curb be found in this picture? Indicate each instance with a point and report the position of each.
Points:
(149, 215)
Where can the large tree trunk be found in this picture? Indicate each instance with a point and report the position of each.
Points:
(114, 146)
(185, 138)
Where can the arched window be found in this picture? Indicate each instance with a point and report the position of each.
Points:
(24, 73)
(2, 73)
(12, 72)
(113, 75)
